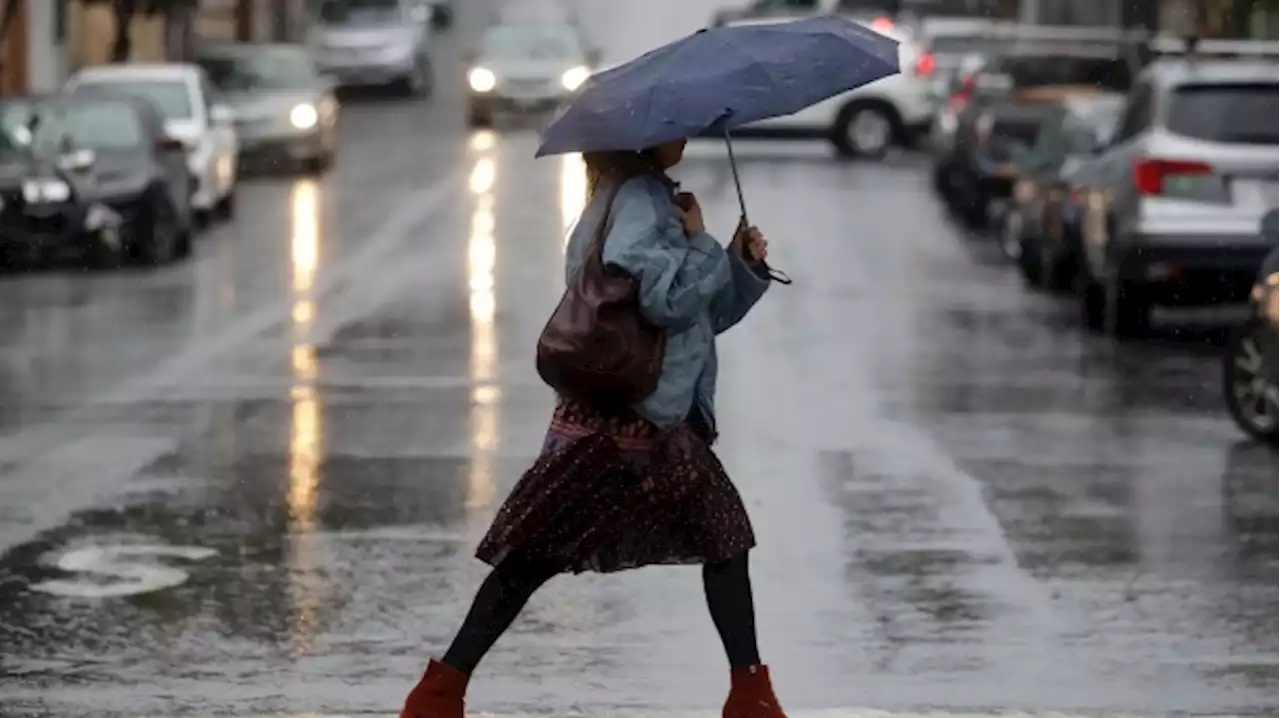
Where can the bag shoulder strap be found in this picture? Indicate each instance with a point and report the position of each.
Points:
(596, 246)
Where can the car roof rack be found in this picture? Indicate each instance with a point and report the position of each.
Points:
(1196, 47)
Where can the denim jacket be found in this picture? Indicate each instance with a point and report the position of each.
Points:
(688, 285)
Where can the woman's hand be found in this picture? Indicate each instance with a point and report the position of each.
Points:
(690, 213)
(749, 243)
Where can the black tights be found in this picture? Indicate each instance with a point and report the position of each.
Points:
(508, 587)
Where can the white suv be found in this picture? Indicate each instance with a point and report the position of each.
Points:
(867, 121)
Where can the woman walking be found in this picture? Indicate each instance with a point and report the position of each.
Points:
(620, 489)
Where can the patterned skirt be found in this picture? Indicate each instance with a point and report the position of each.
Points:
(610, 493)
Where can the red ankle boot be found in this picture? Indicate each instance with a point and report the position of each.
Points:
(439, 694)
(751, 695)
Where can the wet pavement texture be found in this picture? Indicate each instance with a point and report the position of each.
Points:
(251, 483)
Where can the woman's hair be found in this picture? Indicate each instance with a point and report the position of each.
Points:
(620, 165)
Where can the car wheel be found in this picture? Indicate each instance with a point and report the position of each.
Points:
(157, 235)
(225, 209)
(865, 130)
(1128, 310)
(1249, 389)
(479, 117)
(442, 17)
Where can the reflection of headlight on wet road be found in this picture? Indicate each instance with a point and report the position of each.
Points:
(481, 79)
(45, 190)
(304, 116)
(572, 79)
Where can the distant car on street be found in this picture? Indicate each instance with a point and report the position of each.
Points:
(285, 109)
(188, 102)
(374, 43)
(1251, 360)
(1041, 228)
(98, 179)
(868, 121)
(1005, 102)
(525, 66)
(1173, 201)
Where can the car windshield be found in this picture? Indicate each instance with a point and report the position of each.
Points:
(359, 12)
(89, 125)
(171, 98)
(1031, 71)
(1230, 113)
(268, 70)
(530, 42)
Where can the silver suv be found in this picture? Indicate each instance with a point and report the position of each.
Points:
(1172, 203)
(374, 43)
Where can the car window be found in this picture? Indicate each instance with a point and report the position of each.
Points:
(172, 98)
(1230, 113)
(1031, 71)
(531, 42)
(272, 70)
(90, 125)
(1047, 147)
(359, 12)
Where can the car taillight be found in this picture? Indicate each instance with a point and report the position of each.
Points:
(924, 64)
(882, 24)
(1152, 176)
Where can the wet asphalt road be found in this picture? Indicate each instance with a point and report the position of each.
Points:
(963, 502)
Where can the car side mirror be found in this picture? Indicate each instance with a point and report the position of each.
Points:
(168, 144)
(77, 160)
(221, 114)
(1271, 225)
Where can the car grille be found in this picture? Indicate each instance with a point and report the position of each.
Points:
(16, 218)
(525, 85)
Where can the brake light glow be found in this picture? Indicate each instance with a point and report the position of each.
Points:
(1150, 174)
(882, 24)
(924, 63)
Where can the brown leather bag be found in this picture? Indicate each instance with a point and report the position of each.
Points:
(597, 347)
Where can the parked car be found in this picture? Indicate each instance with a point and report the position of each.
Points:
(1250, 362)
(374, 43)
(285, 109)
(99, 179)
(187, 100)
(1041, 228)
(868, 121)
(526, 66)
(1173, 201)
(1010, 96)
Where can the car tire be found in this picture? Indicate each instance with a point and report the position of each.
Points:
(479, 117)
(1128, 310)
(1250, 401)
(866, 130)
(225, 209)
(441, 17)
(158, 236)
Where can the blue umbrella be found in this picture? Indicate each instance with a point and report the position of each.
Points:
(720, 78)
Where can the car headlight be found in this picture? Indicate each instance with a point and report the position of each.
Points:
(482, 79)
(573, 78)
(304, 116)
(36, 191)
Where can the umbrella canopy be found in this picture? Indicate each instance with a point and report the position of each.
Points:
(723, 76)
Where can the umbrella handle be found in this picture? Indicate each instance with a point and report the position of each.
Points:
(773, 274)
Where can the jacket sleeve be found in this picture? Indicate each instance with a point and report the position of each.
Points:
(732, 302)
(678, 275)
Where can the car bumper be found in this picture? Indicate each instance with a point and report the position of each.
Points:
(499, 102)
(1193, 269)
(282, 147)
(368, 74)
(70, 232)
